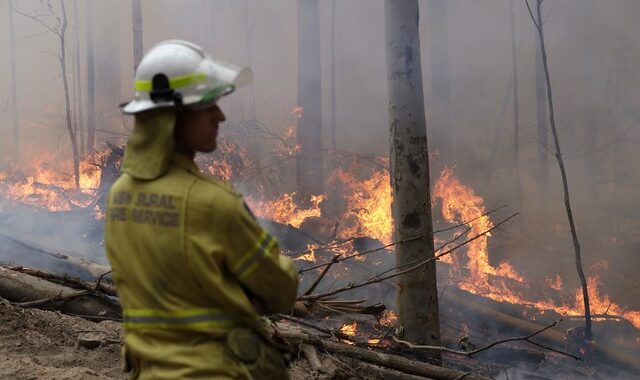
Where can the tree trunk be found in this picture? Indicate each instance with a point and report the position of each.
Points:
(67, 100)
(516, 108)
(78, 80)
(574, 235)
(309, 134)
(91, 89)
(14, 91)
(417, 290)
(541, 112)
(440, 102)
(136, 20)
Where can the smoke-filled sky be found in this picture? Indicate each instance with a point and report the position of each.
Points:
(593, 48)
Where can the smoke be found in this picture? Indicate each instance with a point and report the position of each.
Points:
(593, 50)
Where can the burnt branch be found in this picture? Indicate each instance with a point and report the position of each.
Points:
(526, 338)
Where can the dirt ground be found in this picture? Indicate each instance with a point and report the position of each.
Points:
(38, 344)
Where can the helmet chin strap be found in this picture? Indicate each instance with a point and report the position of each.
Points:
(162, 91)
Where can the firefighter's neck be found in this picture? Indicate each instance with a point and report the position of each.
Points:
(185, 151)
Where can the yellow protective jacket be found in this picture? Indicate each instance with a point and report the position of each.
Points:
(186, 253)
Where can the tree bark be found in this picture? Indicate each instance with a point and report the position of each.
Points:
(91, 89)
(440, 103)
(417, 290)
(14, 91)
(136, 20)
(563, 173)
(67, 100)
(516, 108)
(541, 116)
(309, 134)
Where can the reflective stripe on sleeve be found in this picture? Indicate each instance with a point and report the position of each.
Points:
(175, 82)
(250, 261)
(192, 319)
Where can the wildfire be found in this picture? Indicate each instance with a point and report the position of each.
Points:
(461, 204)
(368, 202)
(42, 184)
(349, 329)
(285, 209)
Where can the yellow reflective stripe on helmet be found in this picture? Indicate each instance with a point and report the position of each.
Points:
(249, 262)
(189, 319)
(175, 82)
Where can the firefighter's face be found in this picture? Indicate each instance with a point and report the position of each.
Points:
(197, 129)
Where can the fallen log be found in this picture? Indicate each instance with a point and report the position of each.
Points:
(30, 291)
(32, 255)
(394, 362)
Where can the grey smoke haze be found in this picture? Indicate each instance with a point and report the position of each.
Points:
(594, 47)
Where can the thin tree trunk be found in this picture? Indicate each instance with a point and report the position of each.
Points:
(67, 101)
(558, 154)
(541, 112)
(136, 20)
(309, 134)
(332, 94)
(78, 79)
(417, 291)
(14, 91)
(516, 107)
(91, 94)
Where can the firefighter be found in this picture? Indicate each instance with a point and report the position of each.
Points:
(193, 269)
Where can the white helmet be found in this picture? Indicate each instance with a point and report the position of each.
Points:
(176, 73)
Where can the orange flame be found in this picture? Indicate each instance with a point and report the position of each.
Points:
(48, 187)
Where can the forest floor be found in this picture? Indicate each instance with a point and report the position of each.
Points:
(39, 344)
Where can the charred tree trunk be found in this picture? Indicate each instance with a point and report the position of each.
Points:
(574, 235)
(440, 102)
(136, 20)
(309, 134)
(14, 91)
(91, 89)
(417, 290)
(67, 100)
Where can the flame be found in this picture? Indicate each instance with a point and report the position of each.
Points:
(285, 209)
(554, 284)
(460, 204)
(349, 329)
(369, 203)
(310, 255)
(45, 186)
(389, 318)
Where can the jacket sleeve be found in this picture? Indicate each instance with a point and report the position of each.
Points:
(253, 256)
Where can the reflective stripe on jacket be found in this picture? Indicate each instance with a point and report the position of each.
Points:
(185, 253)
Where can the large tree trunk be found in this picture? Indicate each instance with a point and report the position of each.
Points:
(309, 134)
(14, 91)
(67, 100)
(91, 95)
(417, 290)
(136, 21)
(565, 183)
(440, 102)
